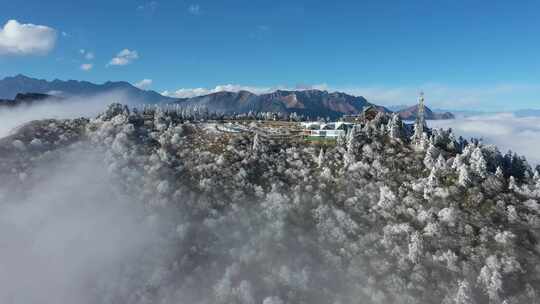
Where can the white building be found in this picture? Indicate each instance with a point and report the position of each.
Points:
(322, 129)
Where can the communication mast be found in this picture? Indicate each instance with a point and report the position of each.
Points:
(420, 116)
(420, 123)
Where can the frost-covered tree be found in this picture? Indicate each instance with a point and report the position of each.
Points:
(478, 163)
(395, 126)
(320, 159)
(256, 143)
(464, 178)
(431, 156)
(464, 294)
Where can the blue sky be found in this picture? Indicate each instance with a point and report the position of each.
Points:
(464, 54)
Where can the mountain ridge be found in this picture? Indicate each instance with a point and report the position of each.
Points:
(309, 103)
(409, 113)
(11, 86)
(312, 103)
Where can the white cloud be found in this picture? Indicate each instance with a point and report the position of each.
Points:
(144, 84)
(86, 66)
(26, 39)
(150, 6)
(87, 54)
(192, 92)
(507, 131)
(124, 57)
(194, 9)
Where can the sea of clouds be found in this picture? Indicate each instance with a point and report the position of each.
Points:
(505, 130)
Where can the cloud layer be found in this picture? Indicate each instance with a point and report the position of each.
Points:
(86, 66)
(507, 131)
(124, 57)
(144, 84)
(26, 39)
(194, 9)
(192, 92)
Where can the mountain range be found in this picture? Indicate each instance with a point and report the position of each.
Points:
(310, 103)
(11, 86)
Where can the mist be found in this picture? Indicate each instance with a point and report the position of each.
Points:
(70, 235)
(71, 107)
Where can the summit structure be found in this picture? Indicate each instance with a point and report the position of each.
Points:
(420, 117)
(420, 123)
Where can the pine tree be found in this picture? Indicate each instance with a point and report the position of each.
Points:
(387, 199)
(499, 173)
(512, 184)
(441, 162)
(351, 139)
(464, 294)
(394, 126)
(431, 183)
(341, 140)
(418, 135)
(320, 159)
(416, 247)
(478, 163)
(458, 162)
(256, 143)
(464, 178)
(431, 156)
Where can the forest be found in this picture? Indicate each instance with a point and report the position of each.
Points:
(384, 214)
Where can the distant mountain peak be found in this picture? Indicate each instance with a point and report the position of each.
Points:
(410, 114)
(11, 86)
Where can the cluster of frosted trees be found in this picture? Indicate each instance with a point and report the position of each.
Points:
(372, 219)
(190, 112)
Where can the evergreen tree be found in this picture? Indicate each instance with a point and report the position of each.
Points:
(478, 163)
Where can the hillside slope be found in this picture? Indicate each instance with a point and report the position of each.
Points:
(247, 217)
